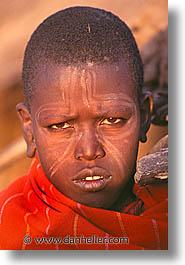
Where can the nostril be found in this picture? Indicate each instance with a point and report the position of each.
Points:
(88, 146)
(100, 152)
(88, 153)
(78, 154)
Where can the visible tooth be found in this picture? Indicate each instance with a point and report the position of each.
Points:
(96, 177)
(93, 178)
(88, 178)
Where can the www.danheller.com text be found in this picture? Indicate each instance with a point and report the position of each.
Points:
(94, 239)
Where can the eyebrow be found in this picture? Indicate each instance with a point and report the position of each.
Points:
(108, 109)
(115, 110)
(56, 118)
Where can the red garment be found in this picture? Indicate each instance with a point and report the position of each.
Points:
(32, 208)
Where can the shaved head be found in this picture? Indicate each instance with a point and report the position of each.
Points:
(76, 36)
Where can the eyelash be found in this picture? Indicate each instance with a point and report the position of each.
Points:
(111, 121)
(51, 127)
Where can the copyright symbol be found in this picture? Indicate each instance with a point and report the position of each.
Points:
(27, 239)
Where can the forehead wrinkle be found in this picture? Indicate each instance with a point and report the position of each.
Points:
(46, 108)
(108, 106)
(112, 96)
(42, 108)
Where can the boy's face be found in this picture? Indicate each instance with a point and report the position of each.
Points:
(86, 126)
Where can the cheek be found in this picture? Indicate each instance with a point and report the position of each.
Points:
(54, 153)
(113, 154)
(121, 155)
(122, 148)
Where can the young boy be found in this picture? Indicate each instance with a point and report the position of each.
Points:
(84, 116)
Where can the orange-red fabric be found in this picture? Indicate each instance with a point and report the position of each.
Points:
(32, 208)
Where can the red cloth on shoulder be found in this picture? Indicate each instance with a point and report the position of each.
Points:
(35, 215)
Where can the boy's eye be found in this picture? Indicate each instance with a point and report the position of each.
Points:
(62, 125)
(112, 121)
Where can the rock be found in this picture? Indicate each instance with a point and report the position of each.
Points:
(153, 167)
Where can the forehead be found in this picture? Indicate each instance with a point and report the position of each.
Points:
(62, 84)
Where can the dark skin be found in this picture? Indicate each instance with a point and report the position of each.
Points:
(85, 124)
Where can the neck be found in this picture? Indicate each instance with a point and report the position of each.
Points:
(126, 197)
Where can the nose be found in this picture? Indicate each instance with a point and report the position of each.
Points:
(89, 147)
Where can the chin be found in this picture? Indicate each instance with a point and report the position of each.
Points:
(103, 204)
(97, 205)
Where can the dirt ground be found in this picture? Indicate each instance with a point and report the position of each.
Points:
(18, 19)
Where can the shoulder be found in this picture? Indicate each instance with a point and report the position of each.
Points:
(152, 193)
(12, 210)
(155, 199)
(13, 191)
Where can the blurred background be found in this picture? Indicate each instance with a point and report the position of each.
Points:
(148, 21)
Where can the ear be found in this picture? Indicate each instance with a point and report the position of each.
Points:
(26, 122)
(146, 106)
